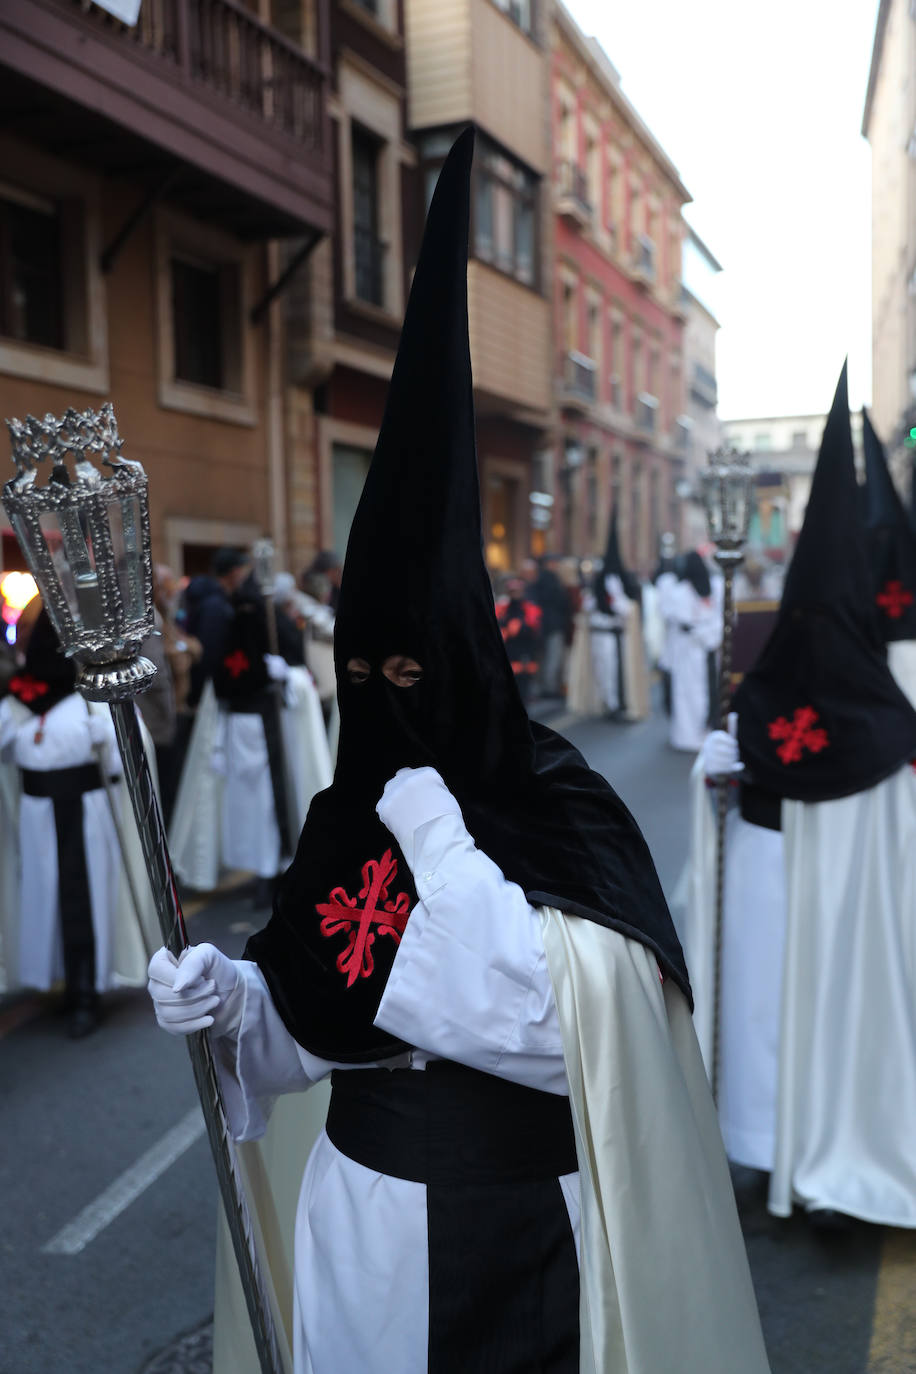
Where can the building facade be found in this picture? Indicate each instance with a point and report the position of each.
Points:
(147, 176)
(889, 125)
(345, 307)
(484, 63)
(704, 432)
(619, 315)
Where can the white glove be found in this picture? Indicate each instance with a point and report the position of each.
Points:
(410, 799)
(201, 988)
(277, 667)
(719, 755)
(101, 731)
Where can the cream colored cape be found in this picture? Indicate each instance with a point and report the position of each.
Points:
(665, 1284)
(136, 932)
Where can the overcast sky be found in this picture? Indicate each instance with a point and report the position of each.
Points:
(760, 108)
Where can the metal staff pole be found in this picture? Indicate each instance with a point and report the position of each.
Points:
(728, 498)
(101, 758)
(87, 543)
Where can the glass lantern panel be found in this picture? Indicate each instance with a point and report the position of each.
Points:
(127, 548)
(75, 529)
(61, 599)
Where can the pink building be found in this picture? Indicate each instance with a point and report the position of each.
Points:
(619, 312)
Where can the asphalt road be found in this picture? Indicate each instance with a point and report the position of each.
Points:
(108, 1196)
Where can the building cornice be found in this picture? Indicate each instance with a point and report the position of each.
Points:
(884, 10)
(607, 76)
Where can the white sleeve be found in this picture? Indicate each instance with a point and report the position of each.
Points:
(470, 980)
(261, 1061)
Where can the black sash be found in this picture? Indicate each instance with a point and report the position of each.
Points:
(503, 1276)
(62, 784)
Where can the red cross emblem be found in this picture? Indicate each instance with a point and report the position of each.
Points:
(798, 734)
(388, 916)
(236, 663)
(28, 688)
(894, 599)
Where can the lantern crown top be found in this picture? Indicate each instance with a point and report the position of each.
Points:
(727, 456)
(81, 435)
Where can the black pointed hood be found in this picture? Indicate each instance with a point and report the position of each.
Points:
(415, 586)
(48, 676)
(820, 716)
(414, 581)
(613, 566)
(891, 543)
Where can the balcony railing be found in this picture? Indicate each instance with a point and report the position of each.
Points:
(572, 188)
(646, 412)
(580, 377)
(703, 386)
(221, 46)
(644, 258)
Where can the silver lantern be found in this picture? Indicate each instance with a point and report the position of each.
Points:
(85, 535)
(86, 538)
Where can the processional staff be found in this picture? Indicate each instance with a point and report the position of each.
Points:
(85, 535)
(728, 496)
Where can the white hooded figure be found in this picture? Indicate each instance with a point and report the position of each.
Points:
(818, 1008)
(694, 625)
(74, 907)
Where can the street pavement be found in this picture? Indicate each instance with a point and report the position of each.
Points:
(109, 1198)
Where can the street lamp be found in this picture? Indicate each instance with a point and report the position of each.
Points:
(727, 484)
(85, 535)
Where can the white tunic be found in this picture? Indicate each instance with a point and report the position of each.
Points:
(694, 631)
(473, 981)
(753, 938)
(224, 811)
(32, 946)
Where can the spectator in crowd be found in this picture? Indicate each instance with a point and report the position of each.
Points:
(546, 590)
(519, 620)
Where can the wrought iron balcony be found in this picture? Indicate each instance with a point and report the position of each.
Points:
(646, 412)
(579, 382)
(644, 260)
(199, 90)
(572, 194)
(703, 386)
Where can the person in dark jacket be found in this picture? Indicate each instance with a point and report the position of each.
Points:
(546, 590)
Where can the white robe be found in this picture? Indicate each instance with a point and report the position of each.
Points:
(224, 811)
(818, 1028)
(31, 950)
(555, 1003)
(694, 631)
(753, 939)
(846, 1124)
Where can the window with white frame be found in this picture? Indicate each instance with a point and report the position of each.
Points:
(505, 213)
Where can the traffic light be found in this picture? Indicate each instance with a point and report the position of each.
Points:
(910, 440)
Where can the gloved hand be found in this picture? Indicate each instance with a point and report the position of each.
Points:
(277, 667)
(719, 755)
(101, 731)
(201, 988)
(410, 799)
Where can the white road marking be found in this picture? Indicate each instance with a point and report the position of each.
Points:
(77, 1234)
